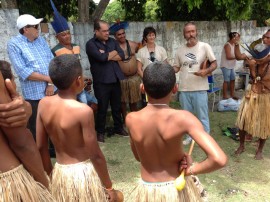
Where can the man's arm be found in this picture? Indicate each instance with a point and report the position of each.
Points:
(95, 154)
(238, 54)
(207, 71)
(139, 68)
(216, 158)
(22, 143)
(42, 142)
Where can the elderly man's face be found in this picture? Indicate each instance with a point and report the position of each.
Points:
(120, 35)
(31, 32)
(190, 34)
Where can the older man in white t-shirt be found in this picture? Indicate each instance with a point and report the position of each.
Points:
(193, 81)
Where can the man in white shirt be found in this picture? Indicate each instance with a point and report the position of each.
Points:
(193, 81)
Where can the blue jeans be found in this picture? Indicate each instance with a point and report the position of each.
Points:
(86, 98)
(196, 102)
(228, 74)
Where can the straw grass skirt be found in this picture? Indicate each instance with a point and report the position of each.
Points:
(166, 192)
(17, 185)
(77, 182)
(253, 116)
(130, 89)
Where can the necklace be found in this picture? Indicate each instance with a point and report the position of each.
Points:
(260, 77)
(158, 104)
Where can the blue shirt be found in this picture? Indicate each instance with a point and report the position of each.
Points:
(28, 57)
(102, 69)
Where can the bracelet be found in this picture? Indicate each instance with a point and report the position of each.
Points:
(191, 169)
(50, 84)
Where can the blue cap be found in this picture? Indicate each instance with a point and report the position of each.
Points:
(117, 26)
(59, 23)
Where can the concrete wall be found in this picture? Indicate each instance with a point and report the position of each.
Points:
(169, 35)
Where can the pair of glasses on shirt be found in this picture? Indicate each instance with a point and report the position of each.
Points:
(32, 26)
(152, 56)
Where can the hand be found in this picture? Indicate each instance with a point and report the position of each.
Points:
(101, 51)
(202, 73)
(49, 90)
(111, 195)
(17, 112)
(185, 163)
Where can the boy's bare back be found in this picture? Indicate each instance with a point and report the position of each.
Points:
(69, 124)
(156, 137)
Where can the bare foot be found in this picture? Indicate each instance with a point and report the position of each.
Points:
(239, 151)
(258, 156)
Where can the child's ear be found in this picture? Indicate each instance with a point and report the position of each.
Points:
(175, 89)
(142, 88)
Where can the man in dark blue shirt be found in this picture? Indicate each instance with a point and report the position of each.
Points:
(103, 54)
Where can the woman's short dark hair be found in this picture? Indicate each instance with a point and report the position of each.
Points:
(147, 31)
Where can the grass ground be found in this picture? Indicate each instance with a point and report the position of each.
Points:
(243, 179)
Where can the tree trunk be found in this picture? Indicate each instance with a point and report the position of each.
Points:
(99, 11)
(9, 4)
(83, 7)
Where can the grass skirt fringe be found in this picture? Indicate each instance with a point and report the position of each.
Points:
(253, 116)
(166, 192)
(77, 182)
(17, 185)
(130, 88)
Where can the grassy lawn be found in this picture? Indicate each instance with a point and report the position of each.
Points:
(243, 179)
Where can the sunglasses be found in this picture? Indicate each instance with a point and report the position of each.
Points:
(32, 26)
(152, 56)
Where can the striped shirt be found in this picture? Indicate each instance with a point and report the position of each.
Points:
(28, 57)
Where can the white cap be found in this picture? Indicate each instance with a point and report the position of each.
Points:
(27, 19)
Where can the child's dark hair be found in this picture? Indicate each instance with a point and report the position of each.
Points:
(5, 69)
(64, 69)
(233, 34)
(147, 31)
(158, 79)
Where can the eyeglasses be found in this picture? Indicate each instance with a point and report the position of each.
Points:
(32, 26)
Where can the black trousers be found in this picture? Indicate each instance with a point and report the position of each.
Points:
(32, 120)
(105, 94)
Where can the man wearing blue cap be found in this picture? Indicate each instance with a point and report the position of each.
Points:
(130, 87)
(30, 55)
(252, 116)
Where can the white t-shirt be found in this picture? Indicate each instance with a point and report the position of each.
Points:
(143, 55)
(189, 59)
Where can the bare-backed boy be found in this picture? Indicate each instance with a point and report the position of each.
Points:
(80, 172)
(156, 134)
(20, 160)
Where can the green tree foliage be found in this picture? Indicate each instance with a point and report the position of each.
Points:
(42, 8)
(134, 9)
(113, 12)
(199, 10)
(150, 9)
